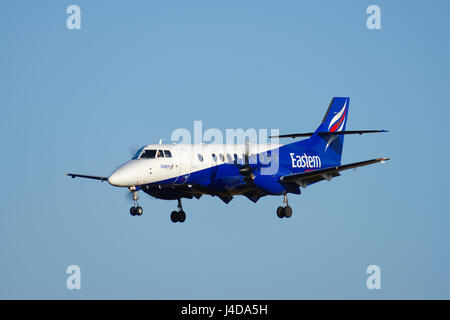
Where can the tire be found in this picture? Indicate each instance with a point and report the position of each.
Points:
(280, 212)
(288, 212)
(181, 216)
(133, 211)
(174, 216)
(139, 211)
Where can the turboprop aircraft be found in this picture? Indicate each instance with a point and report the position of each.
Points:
(177, 171)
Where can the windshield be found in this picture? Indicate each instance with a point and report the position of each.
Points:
(148, 154)
(138, 153)
(151, 154)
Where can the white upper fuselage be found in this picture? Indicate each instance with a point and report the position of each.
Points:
(174, 160)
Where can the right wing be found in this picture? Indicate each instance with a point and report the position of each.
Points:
(304, 179)
(74, 175)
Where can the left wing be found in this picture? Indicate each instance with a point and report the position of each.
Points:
(74, 175)
(304, 179)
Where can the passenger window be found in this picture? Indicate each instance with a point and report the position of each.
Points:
(167, 154)
(160, 154)
(148, 154)
(214, 157)
(229, 159)
(222, 158)
(200, 157)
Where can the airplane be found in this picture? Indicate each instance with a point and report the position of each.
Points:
(178, 171)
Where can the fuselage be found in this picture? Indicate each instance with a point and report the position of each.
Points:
(176, 171)
(176, 164)
(225, 170)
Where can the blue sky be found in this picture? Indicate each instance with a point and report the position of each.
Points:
(76, 100)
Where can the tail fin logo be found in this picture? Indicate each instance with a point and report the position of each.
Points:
(338, 121)
(337, 124)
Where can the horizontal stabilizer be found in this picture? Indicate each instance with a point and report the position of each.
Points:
(335, 133)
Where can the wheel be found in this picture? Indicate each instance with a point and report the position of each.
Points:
(139, 211)
(174, 216)
(288, 212)
(181, 216)
(280, 212)
(133, 211)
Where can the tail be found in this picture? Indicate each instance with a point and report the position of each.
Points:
(335, 120)
(328, 140)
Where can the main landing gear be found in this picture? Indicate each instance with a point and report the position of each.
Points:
(286, 211)
(178, 216)
(136, 210)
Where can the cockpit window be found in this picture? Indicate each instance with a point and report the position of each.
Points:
(138, 153)
(167, 154)
(148, 154)
(151, 154)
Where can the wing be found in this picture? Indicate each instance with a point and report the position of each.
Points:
(74, 175)
(306, 178)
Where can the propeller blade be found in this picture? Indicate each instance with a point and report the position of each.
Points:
(247, 152)
(128, 196)
(245, 170)
(133, 149)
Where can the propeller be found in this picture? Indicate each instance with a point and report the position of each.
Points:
(128, 196)
(133, 149)
(245, 169)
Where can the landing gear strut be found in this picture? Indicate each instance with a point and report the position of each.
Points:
(136, 210)
(286, 211)
(178, 216)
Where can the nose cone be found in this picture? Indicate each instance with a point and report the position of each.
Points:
(127, 175)
(115, 179)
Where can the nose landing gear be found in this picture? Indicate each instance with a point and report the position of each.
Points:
(178, 216)
(136, 210)
(286, 211)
